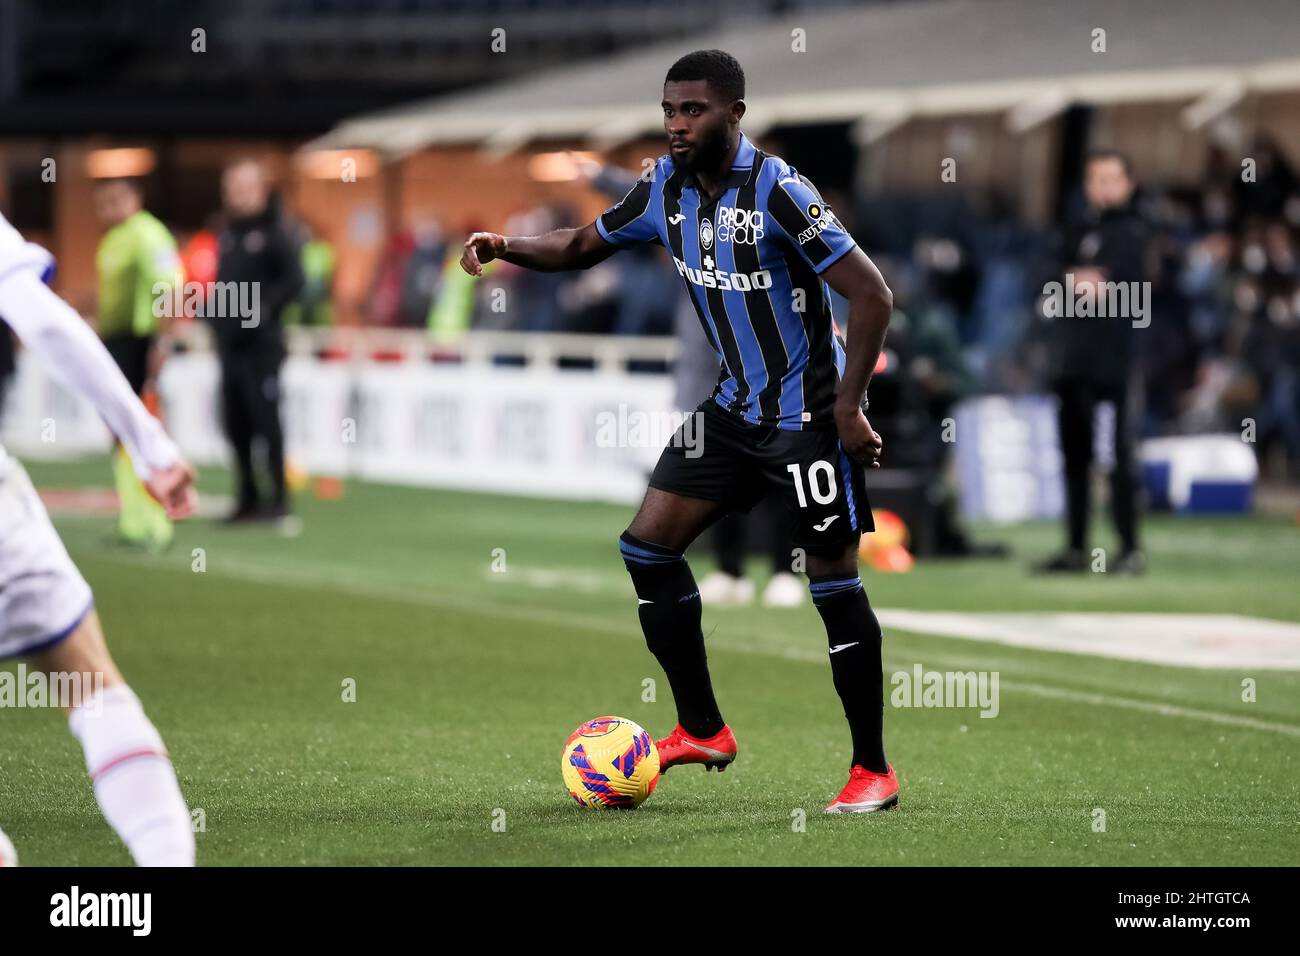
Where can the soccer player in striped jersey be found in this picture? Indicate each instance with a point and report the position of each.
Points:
(757, 248)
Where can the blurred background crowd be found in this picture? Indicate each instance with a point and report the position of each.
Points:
(371, 180)
(967, 276)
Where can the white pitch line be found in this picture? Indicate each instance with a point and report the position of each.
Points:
(1230, 642)
(1151, 707)
(566, 619)
(1075, 696)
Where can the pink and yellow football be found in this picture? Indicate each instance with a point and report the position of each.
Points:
(610, 762)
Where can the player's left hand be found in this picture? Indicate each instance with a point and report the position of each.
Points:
(174, 489)
(480, 249)
(862, 443)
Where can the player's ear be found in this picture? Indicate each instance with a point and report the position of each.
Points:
(738, 110)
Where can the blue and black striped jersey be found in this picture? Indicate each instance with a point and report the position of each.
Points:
(752, 260)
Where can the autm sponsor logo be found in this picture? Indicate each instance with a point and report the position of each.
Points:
(711, 277)
(822, 218)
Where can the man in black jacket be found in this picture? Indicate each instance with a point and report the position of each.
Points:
(1094, 353)
(260, 256)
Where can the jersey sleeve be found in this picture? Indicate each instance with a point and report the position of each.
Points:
(19, 255)
(74, 355)
(807, 222)
(630, 221)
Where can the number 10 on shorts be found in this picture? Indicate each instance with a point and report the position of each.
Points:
(819, 473)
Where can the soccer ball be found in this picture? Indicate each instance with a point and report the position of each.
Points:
(9, 856)
(610, 762)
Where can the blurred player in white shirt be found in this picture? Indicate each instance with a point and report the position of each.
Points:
(46, 609)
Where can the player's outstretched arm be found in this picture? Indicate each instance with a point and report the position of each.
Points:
(856, 278)
(556, 251)
(74, 355)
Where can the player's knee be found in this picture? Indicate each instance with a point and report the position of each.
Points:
(645, 527)
(844, 607)
(639, 552)
(834, 562)
(658, 572)
(826, 588)
(81, 652)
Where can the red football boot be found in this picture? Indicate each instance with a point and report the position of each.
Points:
(679, 747)
(866, 792)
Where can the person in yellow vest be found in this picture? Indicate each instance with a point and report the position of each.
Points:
(452, 309)
(314, 306)
(134, 257)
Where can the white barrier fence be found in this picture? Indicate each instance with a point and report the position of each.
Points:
(543, 431)
(520, 430)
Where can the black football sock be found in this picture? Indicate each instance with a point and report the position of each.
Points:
(669, 606)
(853, 635)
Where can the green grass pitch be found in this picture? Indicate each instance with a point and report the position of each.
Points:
(468, 680)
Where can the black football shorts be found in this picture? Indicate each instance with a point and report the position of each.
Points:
(718, 456)
(131, 353)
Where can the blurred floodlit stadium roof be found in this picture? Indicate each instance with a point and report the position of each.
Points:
(881, 65)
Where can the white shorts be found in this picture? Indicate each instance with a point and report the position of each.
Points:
(43, 596)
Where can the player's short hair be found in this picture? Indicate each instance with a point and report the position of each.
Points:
(718, 67)
(1109, 152)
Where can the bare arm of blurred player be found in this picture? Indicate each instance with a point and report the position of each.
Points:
(54, 333)
(870, 303)
(555, 251)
